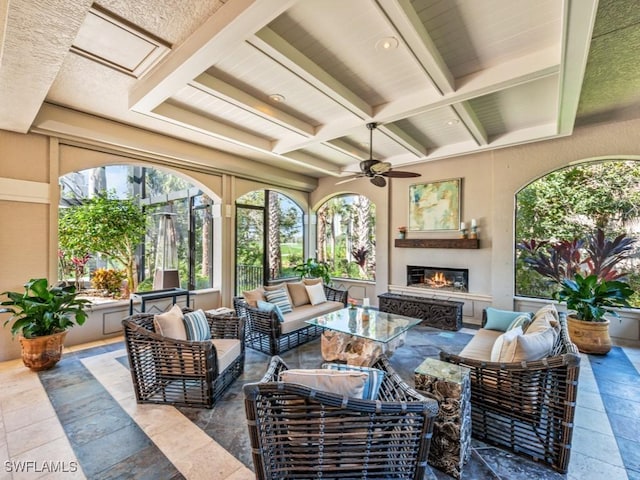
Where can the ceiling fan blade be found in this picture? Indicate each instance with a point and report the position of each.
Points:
(378, 181)
(350, 179)
(380, 167)
(400, 174)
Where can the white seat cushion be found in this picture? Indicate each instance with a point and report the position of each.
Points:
(228, 350)
(295, 320)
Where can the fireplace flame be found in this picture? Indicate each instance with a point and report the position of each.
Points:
(438, 280)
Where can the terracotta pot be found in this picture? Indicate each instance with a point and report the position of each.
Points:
(42, 353)
(589, 337)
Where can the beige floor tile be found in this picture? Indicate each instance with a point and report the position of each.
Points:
(55, 451)
(582, 467)
(16, 419)
(596, 445)
(157, 419)
(242, 474)
(590, 400)
(19, 399)
(595, 420)
(4, 457)
(210, 462)
(172, 442)
(34, 435)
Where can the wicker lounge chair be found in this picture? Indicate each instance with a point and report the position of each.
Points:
(264, 331)
(186, 373)
(527, 407)
(300, 433)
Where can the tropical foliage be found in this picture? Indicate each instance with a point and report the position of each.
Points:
(591, 297)
(571, 204)
(42, 310)
(346, 236)
(105, 225)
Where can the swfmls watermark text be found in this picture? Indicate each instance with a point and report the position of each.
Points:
(46, 466)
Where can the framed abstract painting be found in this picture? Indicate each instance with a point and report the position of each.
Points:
(435, 206)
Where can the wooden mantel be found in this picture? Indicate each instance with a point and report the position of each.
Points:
(437, 243)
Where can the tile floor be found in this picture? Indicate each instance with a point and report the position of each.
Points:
(80, 420)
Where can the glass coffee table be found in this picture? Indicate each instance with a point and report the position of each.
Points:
(352, 336)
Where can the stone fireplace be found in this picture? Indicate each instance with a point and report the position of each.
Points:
(438, 278)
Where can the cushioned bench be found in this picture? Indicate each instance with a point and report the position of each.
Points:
(276, 330)
(523, 398)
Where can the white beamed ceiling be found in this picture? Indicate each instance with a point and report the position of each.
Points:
(467, 75)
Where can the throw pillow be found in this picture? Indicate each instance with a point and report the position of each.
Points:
(502, 350)
(346, 383)
(280, 298)
(268, 307)
(523, 321)
(311, 281)
(169, 324)
(373, 383)
(534, 346)
(316, 293)
(298, 294)
(252, 296)
(544, 318)
(197, 327)
(500, 319)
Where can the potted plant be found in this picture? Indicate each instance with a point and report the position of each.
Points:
(41, 317)
(314, 269)
(589, 299)
(587, 279)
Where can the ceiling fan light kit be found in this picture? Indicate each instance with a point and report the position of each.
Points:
(375, 169)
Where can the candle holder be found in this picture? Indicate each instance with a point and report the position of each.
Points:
(463, 233)
(474, 233)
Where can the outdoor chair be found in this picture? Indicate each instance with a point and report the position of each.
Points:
(527, 407)
(298, 432)
(182, 372)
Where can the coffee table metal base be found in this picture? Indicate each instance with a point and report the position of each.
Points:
(342, 347)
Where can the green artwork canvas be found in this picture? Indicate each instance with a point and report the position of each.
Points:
(434, 206)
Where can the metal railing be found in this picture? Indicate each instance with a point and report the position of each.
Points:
(248, 277)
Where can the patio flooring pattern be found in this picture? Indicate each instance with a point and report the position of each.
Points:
(80, 420)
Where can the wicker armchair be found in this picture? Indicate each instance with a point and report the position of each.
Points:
(300, 433)
(264, 330)
(527, 407)
(186, 373)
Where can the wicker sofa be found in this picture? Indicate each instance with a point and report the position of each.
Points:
(525, 406)
(181, 372)
(298, 432)
(266, 333)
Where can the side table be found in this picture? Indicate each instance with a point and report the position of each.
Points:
(450, 385)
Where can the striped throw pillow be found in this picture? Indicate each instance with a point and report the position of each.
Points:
(373, 383)
(197, 327)
(280, 298)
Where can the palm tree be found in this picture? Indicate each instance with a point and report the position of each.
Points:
(273, 235)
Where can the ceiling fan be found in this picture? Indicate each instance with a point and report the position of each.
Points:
(376, 170)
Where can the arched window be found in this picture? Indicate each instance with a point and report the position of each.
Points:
(269, 238)
(156, 192)
(573, 202)
(346, 236)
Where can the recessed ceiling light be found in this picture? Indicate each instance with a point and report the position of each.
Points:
(387, 43)
(276, 98)
(454, 121)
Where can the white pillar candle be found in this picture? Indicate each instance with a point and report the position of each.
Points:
(365, 302)
(462, 226)
(473, 223)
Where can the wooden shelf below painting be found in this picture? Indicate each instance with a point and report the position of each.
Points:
(437, 243)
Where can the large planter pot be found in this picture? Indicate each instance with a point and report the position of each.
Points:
(42, 353)
(589, 337)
